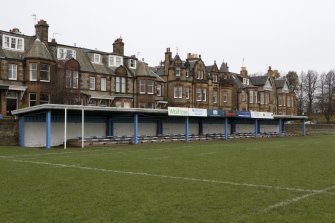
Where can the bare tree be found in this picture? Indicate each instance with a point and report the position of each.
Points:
(309, 88)
(300, 94)
(329, 95)
(293, 80)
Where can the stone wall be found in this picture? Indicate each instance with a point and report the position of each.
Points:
(9, 132)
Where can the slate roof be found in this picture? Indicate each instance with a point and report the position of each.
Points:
(142, 69)
(224, 67)
(209, 68)
(39, 50)
(13, 54)
(280, 83)
(259, 80)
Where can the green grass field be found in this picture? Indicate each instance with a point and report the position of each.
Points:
(288, 179)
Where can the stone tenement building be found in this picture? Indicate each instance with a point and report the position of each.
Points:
(34, 70)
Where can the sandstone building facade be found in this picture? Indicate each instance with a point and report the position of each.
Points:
(34, 70)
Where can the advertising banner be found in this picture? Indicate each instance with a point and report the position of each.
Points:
(199, 112)
(230, 113)
(243, 114)
(176, 111)
(215, 113)
(263, 115)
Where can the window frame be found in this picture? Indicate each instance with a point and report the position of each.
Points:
(92, 84)
(113, 61)
(178, 92)
(96, 58)
(44, 101)
(103, 84)
(177, 71)
(142, 86)
(150, 86)
(29, 99)
(225, 97)
(31, 71)
(12, 73)
(17, 41)
(215, 97)
(187, 92)
(198, 93)
(215, 78)
(251, 97)
(46, 71)
(63, 53)
(132, 63)
(204, 94)
(159, 90)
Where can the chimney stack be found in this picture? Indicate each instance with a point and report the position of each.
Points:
(244, 72)
(118, 47)
(42, 31)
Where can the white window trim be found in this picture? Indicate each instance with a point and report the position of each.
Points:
(93, 83)
(187, 93)
(112, 61)
(118, 84)
(159, 90)
(14, 71)
(96, 58)
(30, 71)
(47, 102)
(176, 90)
(10, 42)
(204, 94)
(215, 97)
(123, 85)
(142, 83)
(34, 100)
(198, 93)
(177, 71)
(150, 88)
(129, 63)
(251, 97)
(48, 73)
(225, 97)
(64, 56)
(103, 87)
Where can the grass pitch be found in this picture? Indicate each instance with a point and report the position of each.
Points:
(290, 179)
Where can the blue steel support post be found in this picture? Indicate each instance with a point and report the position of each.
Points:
(48, 130)
(21, 126)
(226, 128)
(280, 127)
(160, 127)
(303, 130)
(135, 128)
(186, 128)
(256, 128)
(259, 127)
(110, 127)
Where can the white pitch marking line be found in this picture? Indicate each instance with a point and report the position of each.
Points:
(170, 177)
(158, 158)
(203, 154)
(296, 199)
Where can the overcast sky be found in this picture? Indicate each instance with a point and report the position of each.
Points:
(286, 34)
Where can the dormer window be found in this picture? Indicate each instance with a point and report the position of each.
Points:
(132, 64)
(177, 71)
(12, 43)
(215, 78)
(246, 81)
(96, 58)
(115, 61)
(64, 53)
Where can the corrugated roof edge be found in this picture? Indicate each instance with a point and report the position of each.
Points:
(86, 108)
